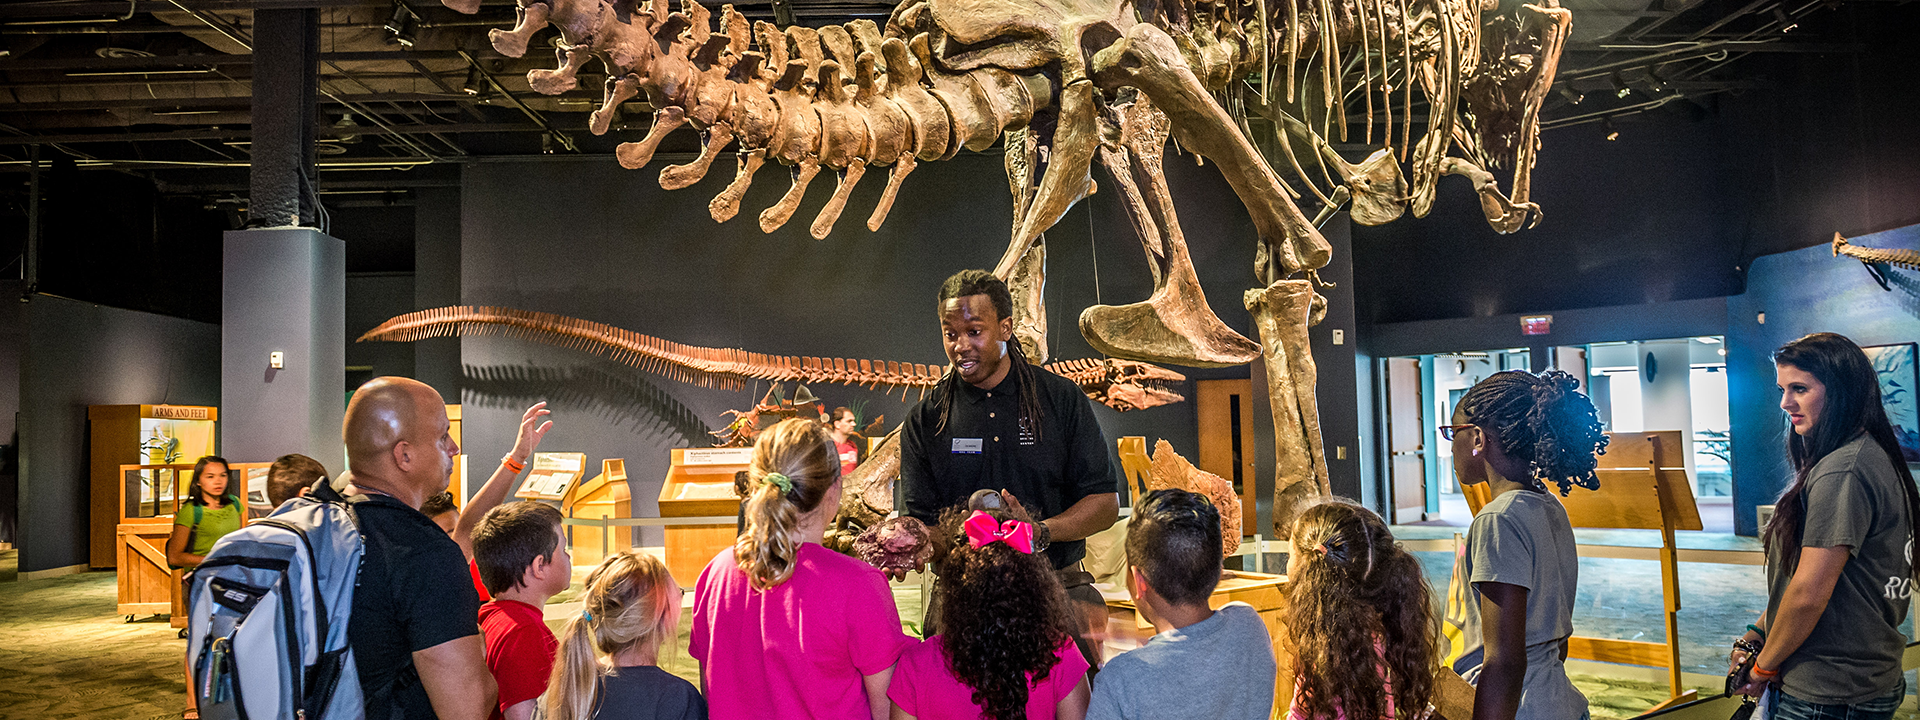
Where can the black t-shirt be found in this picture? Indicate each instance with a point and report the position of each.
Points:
(984, 447)
(648, 693)
(414, 593)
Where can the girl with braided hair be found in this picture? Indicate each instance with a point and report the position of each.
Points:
(782, 626)
(1359, 618)
(1005, 649)
(1516, 432)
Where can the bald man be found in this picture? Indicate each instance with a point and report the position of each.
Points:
(415, 630)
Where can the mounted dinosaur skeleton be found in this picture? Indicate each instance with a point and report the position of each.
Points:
(1067, 81)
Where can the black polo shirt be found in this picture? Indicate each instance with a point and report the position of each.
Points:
(414, 592)
(984, 447)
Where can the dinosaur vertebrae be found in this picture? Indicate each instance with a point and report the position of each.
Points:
(1120, 384)
(1904, 258)
(840, 97)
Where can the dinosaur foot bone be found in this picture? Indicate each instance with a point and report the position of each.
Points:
(1166, 330)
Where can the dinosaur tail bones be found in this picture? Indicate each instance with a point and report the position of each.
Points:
(1120, 384)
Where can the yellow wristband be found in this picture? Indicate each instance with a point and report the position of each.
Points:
(509, 463)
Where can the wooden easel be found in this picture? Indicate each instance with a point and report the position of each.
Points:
(1643, 485)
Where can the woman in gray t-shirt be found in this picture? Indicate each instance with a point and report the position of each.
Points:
(1515, 431)
(1840, 545)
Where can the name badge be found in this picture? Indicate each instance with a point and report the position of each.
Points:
(968, 445)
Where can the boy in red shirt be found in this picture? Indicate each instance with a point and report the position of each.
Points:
(521, 551)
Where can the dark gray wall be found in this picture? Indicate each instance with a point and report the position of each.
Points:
(13, 341)
(1803, 291)
(590, 240)
(78, 354)
(436, 283)
(372, 298)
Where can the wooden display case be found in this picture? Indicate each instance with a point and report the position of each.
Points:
(149, 497)
(148, 435)
(700, 484)
(605, 497)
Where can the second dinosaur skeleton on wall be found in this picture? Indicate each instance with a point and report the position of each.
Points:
(1065, 82)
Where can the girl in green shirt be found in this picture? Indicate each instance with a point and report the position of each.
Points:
(209, 513)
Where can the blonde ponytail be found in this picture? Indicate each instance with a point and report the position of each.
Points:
(794, 467)
(628, 603)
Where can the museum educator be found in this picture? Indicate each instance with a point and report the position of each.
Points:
(997, 422)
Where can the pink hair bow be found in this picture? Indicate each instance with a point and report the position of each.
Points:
(982, 531)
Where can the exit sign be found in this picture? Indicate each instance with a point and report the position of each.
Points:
(1536, 324)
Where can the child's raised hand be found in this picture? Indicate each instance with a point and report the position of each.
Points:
(531, 431)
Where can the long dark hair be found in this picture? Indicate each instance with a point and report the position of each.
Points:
(1003, 616)
(1852, 406)
(1352, 586)
(981, 282)
(1544, 420)
(198, 497)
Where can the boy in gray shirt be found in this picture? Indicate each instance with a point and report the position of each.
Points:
(1204, 663)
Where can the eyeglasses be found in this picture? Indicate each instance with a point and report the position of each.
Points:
(1447, 431)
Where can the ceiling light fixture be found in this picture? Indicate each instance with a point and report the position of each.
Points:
(1620, 88)
(399, 26)
(1659, 84)
(1573, 96)
(1606, 126)
(345, 130)
(1786, 23)
(186, 112)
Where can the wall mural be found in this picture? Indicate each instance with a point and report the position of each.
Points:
(1062, 83)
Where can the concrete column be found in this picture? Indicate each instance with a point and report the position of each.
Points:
(285, 291)
(285, 80)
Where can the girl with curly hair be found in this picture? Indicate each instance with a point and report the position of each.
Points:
(1517, 431)
(630, 610)
(1005, 651)
(1359, 618)
(782, 626)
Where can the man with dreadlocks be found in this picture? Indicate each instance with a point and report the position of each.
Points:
(997, 422)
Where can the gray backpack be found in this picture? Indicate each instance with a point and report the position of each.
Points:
(268, 613)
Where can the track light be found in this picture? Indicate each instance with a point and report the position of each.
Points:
(399, 26)
(1620, 88)
(1786, 23)
(1659, 84)
(1606, 126)
(1573, 96)
(477, 84)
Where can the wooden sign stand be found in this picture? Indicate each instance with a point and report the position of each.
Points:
(1643, 485)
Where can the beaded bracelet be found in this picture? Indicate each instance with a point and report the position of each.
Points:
(509, 463)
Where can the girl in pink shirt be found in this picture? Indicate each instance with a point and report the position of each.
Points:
(1359, 619)
(1006, 645)
(782, 626)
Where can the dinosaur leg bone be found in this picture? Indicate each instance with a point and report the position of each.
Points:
(1068, 176)
(1149, 60)
(513, 43)
(1175, 325)
(1283, 311)
(634, 156)
(676, 177)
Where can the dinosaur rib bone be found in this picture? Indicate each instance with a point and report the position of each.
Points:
(1120, 384)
